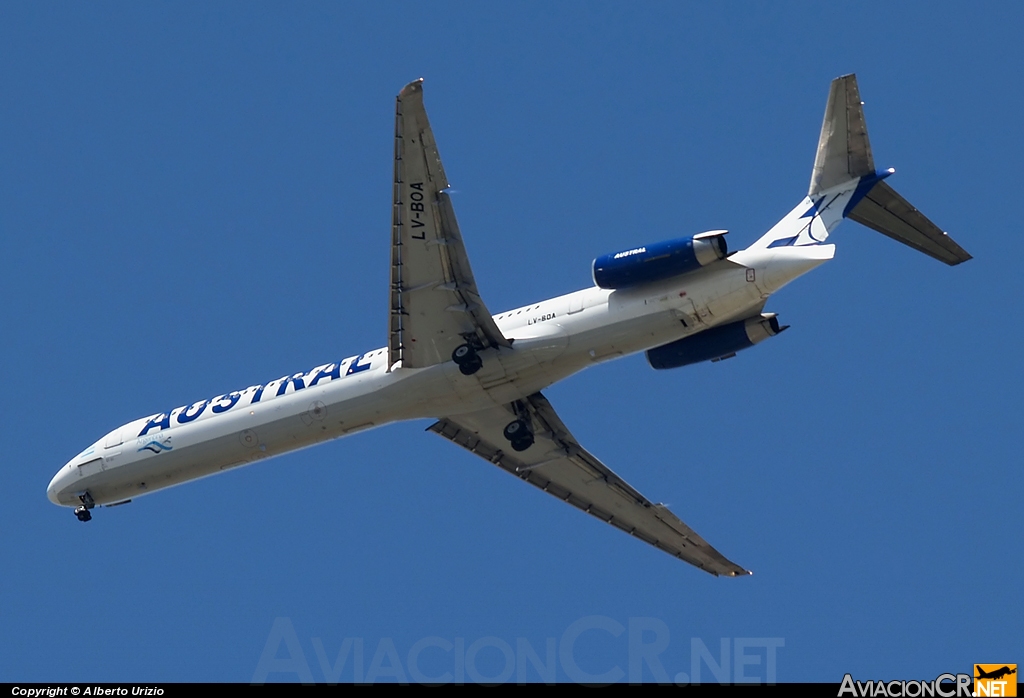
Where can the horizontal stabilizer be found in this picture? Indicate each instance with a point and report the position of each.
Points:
(890, 214)
(844, 152)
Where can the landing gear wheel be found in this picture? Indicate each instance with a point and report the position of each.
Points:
(522, 443)
(517, 430)
(463, 353)
(466, 358)
(88, 503)
(471, 367)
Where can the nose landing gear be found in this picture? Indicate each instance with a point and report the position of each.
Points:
(466, 358)
(82, 512)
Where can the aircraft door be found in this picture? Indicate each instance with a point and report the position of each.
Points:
(90, 468)
(113, 439)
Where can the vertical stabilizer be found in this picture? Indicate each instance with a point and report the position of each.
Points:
(844, 184)
(844, 152)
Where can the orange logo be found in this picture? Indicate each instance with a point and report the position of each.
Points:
(995, 680)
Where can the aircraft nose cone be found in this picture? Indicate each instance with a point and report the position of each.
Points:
(53, 488)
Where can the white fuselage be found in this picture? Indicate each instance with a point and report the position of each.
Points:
(552, 340)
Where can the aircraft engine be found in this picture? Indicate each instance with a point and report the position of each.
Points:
(659, 261)
(715, 344)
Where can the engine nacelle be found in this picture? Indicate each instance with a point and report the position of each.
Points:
(659, 261)
(715, 344)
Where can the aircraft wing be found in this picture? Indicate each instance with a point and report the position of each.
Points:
(435, 305)
(557, 464)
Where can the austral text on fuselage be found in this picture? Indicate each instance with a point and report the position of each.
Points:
(223, 403)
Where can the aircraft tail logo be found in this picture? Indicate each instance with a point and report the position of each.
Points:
(845, 184)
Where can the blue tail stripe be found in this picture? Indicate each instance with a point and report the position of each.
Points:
(864, 187)
(783, 242)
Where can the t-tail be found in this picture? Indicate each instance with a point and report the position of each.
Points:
(845, 184)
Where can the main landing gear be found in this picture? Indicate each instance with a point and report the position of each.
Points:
(466, 358)
(82, 512)
(519, 432)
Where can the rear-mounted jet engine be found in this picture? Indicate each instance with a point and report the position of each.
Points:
(717, 343)
(661, 260)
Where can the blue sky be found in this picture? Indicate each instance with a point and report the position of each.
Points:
(195, 197)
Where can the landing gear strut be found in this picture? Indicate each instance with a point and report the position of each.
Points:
(82, 512)
(466, 358)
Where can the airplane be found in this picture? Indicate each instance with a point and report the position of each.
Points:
(480, 376)
(995, 674)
